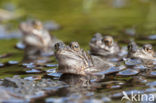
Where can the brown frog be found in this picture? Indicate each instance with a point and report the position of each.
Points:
(145, 52)
(103, 46)
(75, 62)
(37, 40)
(72, 59)
(140, 56)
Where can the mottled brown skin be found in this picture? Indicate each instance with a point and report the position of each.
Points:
(132, 48)
(149, 50)
(38, 42)
(77, 66)
(72, 59)
(145, 52)
(103, 46)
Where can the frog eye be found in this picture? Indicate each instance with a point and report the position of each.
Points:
(56, 46)
(148, 49)
(107, 41)
(129, 47)
(37, 24)
(59, 45)
(76, 46)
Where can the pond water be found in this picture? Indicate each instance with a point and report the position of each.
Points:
(79, 20)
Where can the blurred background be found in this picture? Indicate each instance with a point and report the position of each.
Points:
(79, 20)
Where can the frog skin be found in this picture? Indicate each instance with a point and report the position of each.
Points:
(103, 46)
(37, 40)
(72, 59)
(75, 62)
(144, 52)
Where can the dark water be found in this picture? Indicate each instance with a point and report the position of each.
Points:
(79, 20)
